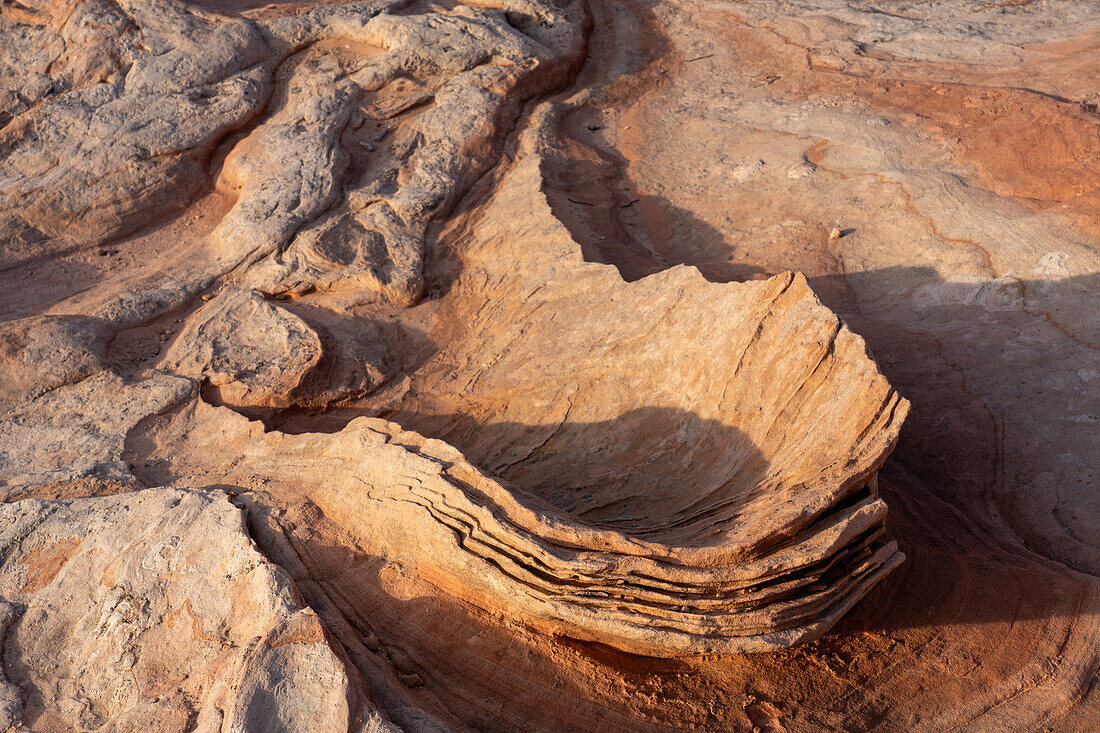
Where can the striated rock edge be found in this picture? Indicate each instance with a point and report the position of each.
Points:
(415, 498)
(754, 525)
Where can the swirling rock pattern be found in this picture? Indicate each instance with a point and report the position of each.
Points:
(441, 366)
(761, 549)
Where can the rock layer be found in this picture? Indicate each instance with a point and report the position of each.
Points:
(773, 538)
(532, 456)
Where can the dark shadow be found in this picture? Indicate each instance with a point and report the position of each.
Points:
(969, 588)
(661, 473)
(423, 653)
(931, 338)
(630, 34)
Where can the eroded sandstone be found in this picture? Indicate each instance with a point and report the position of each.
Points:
(154, 611)
(553, 426)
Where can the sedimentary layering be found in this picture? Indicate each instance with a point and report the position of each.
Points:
(418, 365)
(781, 424)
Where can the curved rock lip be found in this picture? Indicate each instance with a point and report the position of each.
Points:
(503, 549)
(418, 501)
(756, 520)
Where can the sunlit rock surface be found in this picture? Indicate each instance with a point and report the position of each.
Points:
(508, 366)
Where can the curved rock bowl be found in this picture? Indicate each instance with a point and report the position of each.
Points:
(669, 466)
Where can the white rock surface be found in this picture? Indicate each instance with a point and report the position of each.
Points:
(154, 611)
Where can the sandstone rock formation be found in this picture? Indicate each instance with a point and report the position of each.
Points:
(402, 364)
(251, 351)
(255, 355)
(154, 611)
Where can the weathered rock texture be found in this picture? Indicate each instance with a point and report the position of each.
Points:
(506, 335)
(251, 351)
(154, 611)
(78, 431)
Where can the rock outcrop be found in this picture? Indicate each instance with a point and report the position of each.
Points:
(251, 352)
(154, 611)
(494, 365)
(670, 500)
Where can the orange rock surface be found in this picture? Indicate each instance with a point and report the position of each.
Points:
(434, 366)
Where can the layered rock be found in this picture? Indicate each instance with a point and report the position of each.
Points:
(530, 455)
(403, 496)
(666, 467)
(660, 499)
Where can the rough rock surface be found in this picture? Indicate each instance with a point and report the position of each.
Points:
(251, 351)
(154, 611)
(520, 338)
(79, 431)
